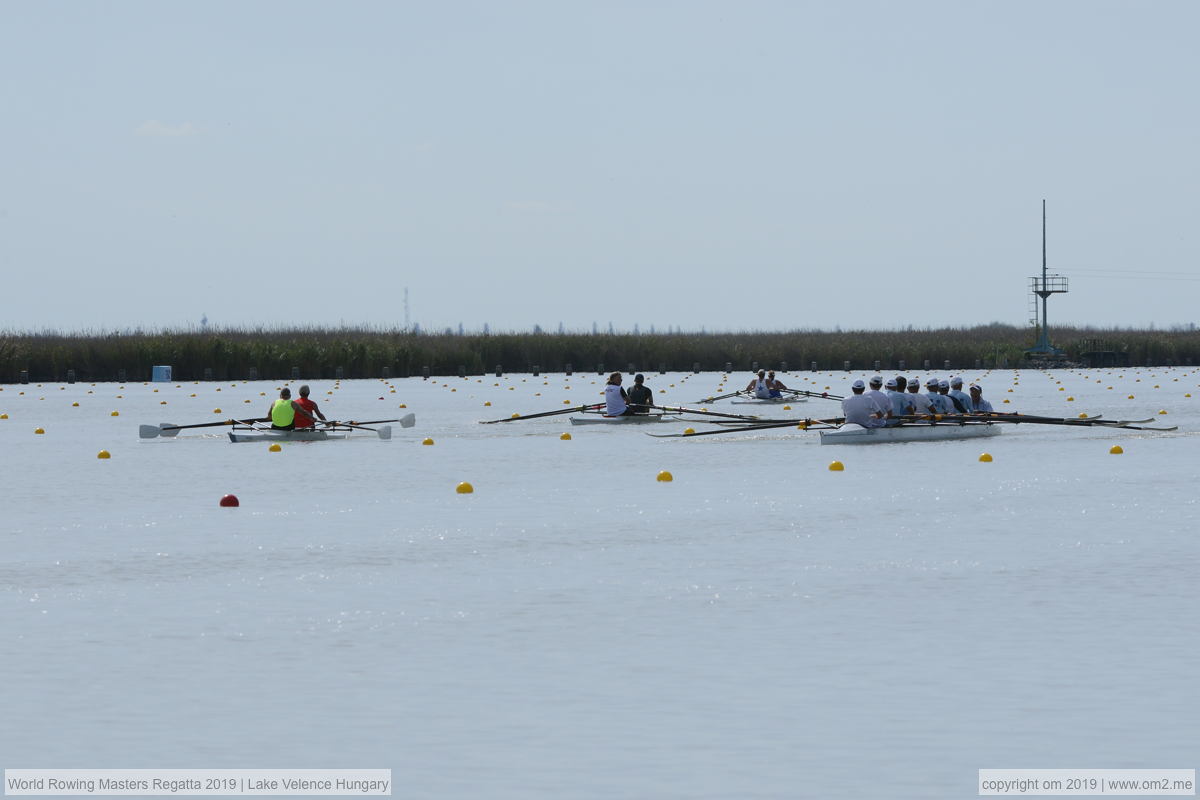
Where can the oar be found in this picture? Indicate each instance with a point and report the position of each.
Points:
(702, 412)
(719, 397)
(808, 423)
(407, 421)
(168, 429)
(592, 407)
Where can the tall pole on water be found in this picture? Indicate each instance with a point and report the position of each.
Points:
(1045, 340)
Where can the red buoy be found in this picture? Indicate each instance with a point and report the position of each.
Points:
(230, 501)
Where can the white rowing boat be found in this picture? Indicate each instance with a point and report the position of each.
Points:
(303, 435)
(627, 419)
(773, 401)
(851, 433)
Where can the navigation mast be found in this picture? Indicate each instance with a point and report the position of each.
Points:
(1043, 287)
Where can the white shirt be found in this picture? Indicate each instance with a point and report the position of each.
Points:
(861, 409)
(920, 403)
(761, 389)
(614, 404)
(881, 400)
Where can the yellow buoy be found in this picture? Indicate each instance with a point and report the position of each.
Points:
(404, 405)
(245, 401)
(115, 414)
(664, 477)
(39, 430)
(1162, 411)
(787, 408)
(75, 405)
(688, 431)
(216, 411)
(566, 437)
(515, 415)
(1130, 397)
(985, 458)
(1083, 415)
(487, 403)
(427, 441)
(1006, 399)
(3, 416)
(1070, 399)
(275, 448)
(836, 466)
(464, 488)
(104, 454)
(1116, 450)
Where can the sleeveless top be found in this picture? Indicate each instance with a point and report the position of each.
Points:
(282, 413)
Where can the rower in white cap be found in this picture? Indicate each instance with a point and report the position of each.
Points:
(875, 392)
(860, 409)
(961, 399)
(920, 402)
(760, 386)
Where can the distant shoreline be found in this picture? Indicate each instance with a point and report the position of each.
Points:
(314, 353)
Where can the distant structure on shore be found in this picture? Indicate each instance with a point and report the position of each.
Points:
(1043, 287)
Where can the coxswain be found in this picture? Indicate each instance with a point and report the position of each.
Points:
(640, 396)
(978, 404)
(616, 400)
(861, 409)
(310, 409)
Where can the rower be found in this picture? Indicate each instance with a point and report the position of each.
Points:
(962, 400)
(283, 411)
(901, 405)
(920, 403)
(616, 401)
(774, 386)
(978, 404)
(640, 396)
(310, 408)
(875, 392)
(898, 403)
(939, 404)
(861, 409)
(759, 386)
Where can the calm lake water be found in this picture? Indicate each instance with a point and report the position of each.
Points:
(761, 627)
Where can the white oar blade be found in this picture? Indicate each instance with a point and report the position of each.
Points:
(149, 431)
(408, 420)
(385, 432)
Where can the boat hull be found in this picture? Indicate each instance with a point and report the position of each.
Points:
(283, 436)
(632, 419)
(774, 401)
(856, 434)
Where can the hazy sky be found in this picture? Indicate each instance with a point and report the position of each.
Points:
(725, 165)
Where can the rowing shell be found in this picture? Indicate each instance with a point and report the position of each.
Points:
(627, 419)
(768, 400)
(267, 435)
(857, 434)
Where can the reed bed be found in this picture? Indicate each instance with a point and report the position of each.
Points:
(236, 354)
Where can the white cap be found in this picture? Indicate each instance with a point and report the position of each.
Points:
(877, 380)
(943, 384)
(914, 382)
(932, 382)
(975, 387)
(858, 385)
(891, 383)
(956, 381)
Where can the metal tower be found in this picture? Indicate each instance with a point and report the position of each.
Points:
(1043, 287)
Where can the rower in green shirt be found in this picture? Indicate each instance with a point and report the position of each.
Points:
(284, 410)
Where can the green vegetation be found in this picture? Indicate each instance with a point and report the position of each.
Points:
(368, 353)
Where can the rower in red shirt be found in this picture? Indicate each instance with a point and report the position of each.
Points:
(309, 407)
